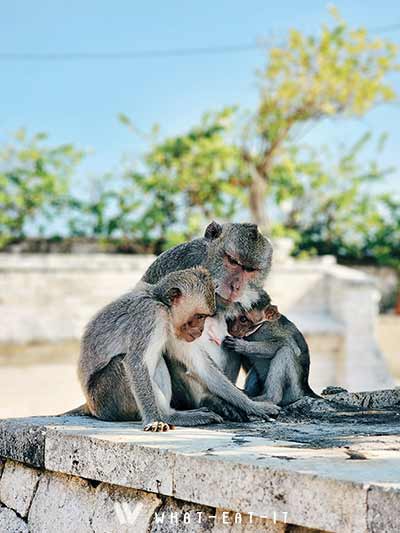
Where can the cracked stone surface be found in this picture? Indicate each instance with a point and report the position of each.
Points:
(116, 504)
(10, 522)
(17, 486)
(328, 466)
(67, 503)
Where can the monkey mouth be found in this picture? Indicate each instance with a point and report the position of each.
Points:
(190, 337)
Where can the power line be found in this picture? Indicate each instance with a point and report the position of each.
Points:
(73, 56)
(144, 54)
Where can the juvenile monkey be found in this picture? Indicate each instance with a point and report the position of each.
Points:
(238, 258)
(121, 367)
(276, 352)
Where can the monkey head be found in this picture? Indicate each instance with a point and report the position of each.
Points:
(190, 298)
(239, 259)
(250, 319)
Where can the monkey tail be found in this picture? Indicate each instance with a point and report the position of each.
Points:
(82, 410)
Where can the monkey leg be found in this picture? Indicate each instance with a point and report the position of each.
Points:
(253, 385)
(283, 384)
(109, 396)
(186, 418)
(279, 376)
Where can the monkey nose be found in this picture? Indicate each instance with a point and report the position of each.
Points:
(235, 286)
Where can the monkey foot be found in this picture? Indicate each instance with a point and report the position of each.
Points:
(157, 426)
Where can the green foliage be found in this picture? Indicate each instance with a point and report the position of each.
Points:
(341, 72)
(189, 179)
(329, 205)
(106, 213)
(33, 179)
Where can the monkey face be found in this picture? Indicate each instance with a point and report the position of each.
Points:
(239, 259)
(240, 326)
(189, 315)
(245, 323)
(192, 329)
(236, 279)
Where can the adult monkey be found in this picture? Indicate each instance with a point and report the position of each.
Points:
(239, 259)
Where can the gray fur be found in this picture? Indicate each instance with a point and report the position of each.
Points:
(278, 359)
(209, 385)
(121, 368)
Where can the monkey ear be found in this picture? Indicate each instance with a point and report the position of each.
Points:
(173, 296)
(272, 313)
(253, 229)
(213, 231)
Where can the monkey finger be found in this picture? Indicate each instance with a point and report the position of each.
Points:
(156, 426)
(229, 342)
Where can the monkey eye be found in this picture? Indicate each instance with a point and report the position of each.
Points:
(231, 260)
(249, 269)
(200, 317)
(243, 319)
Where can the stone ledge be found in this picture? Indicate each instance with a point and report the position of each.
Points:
(341, 475)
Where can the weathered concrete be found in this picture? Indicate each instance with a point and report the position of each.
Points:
(383, 508)
(17, 486)
(23, 442)
(10, 522)
(333, 470)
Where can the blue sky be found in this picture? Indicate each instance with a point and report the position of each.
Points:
(79, 101)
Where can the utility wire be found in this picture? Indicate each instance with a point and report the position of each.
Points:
(67, 56)
(139, 54)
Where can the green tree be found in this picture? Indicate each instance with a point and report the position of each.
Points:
(342, 72)
(105, 212)
(187, 180)
(333, 205)
(34, 178)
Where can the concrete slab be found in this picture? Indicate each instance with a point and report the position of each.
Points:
(328, 474)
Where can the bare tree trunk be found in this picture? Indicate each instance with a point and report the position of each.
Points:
(257, 195)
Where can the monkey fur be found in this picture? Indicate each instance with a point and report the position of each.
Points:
(238, 258)
(276, 353)
(121, 368)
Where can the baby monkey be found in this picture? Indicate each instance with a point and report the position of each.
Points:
(122, 369)
(275, 353)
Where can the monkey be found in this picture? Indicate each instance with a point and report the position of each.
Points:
(238, 258)
(276, 353)
(121, 368)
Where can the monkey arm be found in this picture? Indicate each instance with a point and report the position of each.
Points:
(140, 381)
(218, 384)
(259, 349)
(194, 417)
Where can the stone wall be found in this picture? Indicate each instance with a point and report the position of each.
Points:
(49, 298)
(37, 501)
(318, 467)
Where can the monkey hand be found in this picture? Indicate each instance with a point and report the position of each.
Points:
(157, 426)
(235, 344)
